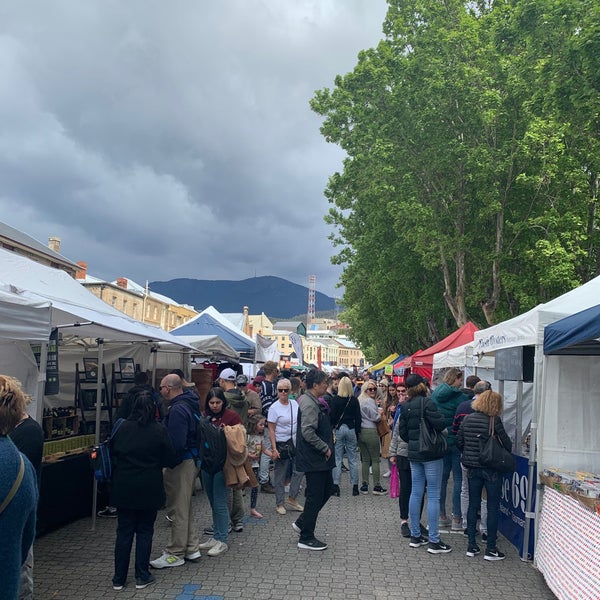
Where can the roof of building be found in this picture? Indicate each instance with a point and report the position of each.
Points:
(293, 325)
(23, 239)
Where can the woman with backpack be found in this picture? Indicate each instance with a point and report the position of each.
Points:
(140, 448)
(218, 415)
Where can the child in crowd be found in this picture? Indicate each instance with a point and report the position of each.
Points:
(255, 447)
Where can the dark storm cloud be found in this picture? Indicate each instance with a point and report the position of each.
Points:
(164, 140)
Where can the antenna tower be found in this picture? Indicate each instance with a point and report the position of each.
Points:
(310, 315)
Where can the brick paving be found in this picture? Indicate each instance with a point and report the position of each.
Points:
(367, 559)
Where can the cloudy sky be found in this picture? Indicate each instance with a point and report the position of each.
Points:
(175, 139)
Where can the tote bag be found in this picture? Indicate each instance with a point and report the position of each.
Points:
(493, 455)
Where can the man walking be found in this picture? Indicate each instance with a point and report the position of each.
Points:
(314, 457)
(179, 481)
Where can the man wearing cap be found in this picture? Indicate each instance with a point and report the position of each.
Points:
(254, 405)
(237, 402)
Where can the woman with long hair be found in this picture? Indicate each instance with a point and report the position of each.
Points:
(345, 420)
(423, 470)
(390, 402)
(370, 450)
(140, 448)
(219, 415)
(472, 435)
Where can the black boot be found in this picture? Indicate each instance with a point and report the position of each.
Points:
(335, 490)
(355, 491)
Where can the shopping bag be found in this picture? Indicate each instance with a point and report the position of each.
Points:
(394, 482)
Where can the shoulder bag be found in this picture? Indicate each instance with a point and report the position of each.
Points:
(286, 449)
(340, 419)
(15, 486)
(493, 455)
(432, 443)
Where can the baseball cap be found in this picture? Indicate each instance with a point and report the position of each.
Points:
(228, 375)
(241, 379)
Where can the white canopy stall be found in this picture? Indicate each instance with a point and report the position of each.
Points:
(527, 331)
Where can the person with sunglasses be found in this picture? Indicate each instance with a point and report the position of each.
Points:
(370, 450)
(282, 421)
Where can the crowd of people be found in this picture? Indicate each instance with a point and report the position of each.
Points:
(298, 434)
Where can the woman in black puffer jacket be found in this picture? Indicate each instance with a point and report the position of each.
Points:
(422, 470)
(473, 433)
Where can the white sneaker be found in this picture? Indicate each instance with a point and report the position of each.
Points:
(208, 544)
(167, 560)
(193, 555)
(218, 548)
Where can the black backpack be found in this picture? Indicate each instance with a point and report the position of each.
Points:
(211, 444)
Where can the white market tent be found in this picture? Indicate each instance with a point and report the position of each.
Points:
(75, 311)
(566, 397)
(22, 321)
(210, 347)
(462, 357)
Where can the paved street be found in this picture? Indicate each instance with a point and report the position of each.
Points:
(367, 560)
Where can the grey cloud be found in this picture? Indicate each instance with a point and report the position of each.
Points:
(165, 140)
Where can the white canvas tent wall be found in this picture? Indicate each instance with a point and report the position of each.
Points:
(22, 321)
(528, 330)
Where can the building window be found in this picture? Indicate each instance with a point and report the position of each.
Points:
(134, 310)
(125, 306)
(113, 300)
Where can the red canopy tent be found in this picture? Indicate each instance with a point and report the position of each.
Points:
(422, 361)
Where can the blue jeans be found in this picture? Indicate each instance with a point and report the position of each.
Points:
(345, 439)
(130, 523)
(217, 496)
(429, 472)
(452, 463)
(492, 481)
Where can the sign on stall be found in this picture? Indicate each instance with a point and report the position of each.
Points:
(513, 502)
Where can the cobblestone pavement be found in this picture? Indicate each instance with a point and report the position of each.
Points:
(367, 559)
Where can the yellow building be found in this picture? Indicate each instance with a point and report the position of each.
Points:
(137, 302)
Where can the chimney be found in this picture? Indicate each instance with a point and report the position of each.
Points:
(122, 282)
(245, 311)
(82, 271)
(54, 244)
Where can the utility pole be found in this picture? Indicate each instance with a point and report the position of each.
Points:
(310, 315)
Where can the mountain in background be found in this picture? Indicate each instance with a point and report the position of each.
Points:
(272, 295)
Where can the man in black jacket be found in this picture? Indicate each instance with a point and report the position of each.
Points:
(315, 457)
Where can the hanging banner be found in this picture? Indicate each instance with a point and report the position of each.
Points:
(52, 381)
(297, 345)
(513, 499)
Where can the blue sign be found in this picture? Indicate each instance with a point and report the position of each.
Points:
(513, 501)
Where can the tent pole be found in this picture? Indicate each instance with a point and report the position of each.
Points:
(41, 385)
(538, 375)
(98, 415)
(154, 351)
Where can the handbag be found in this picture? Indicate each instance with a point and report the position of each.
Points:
(287, 449)
(432, 443)
(340, 420)
(394, 482)
(383, 427)
(493, 455)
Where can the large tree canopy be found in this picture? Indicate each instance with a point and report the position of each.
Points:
(470, 185)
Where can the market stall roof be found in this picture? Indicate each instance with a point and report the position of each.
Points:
(576, 334)
(528, 328)
(462, 356)
(72, 304)
(211, 322)
(388, 360)
(422, 363)
(210, 346)
(22, 318)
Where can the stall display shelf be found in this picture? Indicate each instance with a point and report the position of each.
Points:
(56, 449)
(60, 423)
(581, 485)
